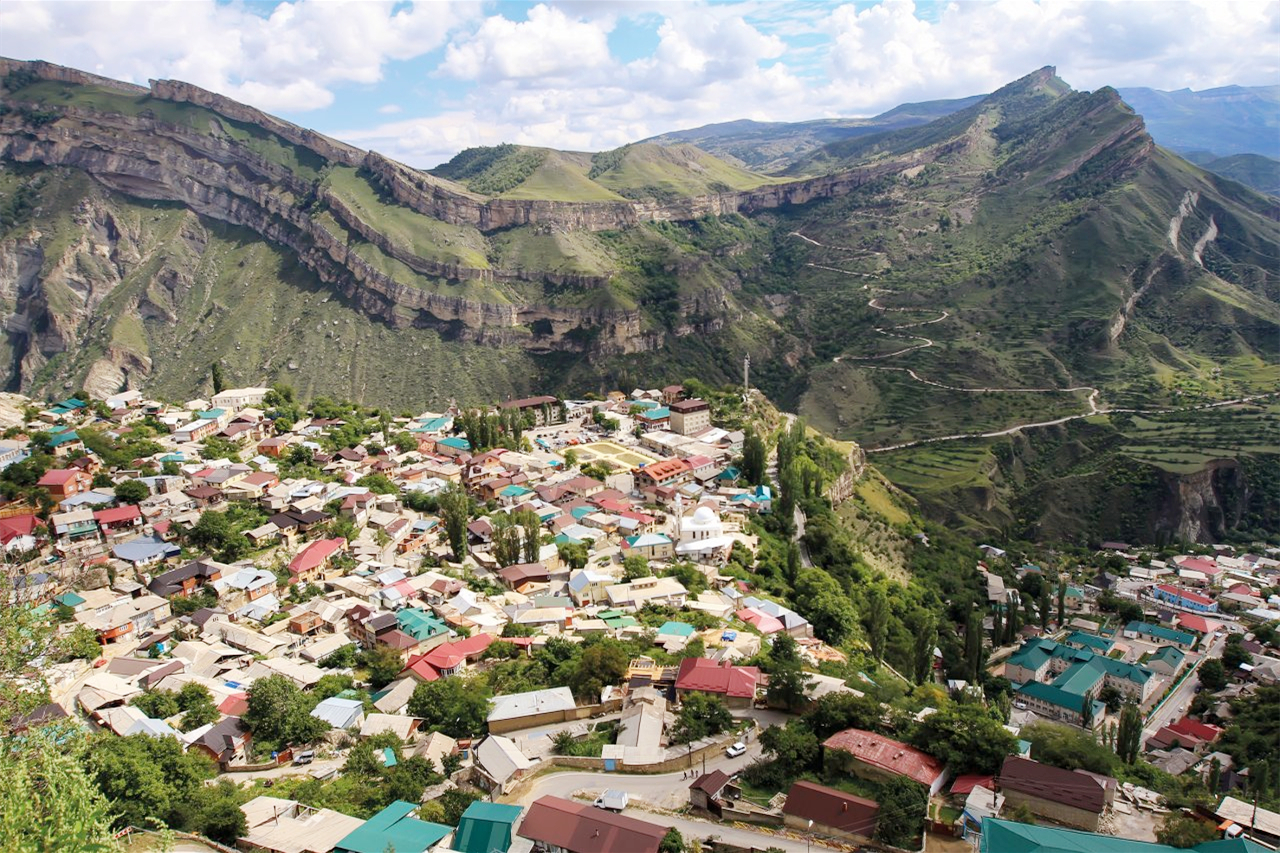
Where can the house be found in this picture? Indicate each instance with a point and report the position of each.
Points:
(124, 618)
(651, 546)
(286, 826)
(736, 685)
(500, 763)
(74, 525)
(705, 791)
(1055, 680)
(486, 828)
(310, 562)
(1167, 660)
(690, 417)
(1158, 634)
(238, 398)
(874, 756)
(637, 593)
(185, 580)
(394, 828)
(447, 659)
(340, 713)
(145, 551)
(1184, 598)
(1001, 836)
(117, 520)
(588, 586)
(1070, 797)
(826, 811)
(564, 826)
(667, 472)
(544, 409)
(18, 532)
(62, 483)
(225, 741)
(534, 708)
(520, 574)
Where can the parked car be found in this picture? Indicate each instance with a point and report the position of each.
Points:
(304, 757)
(737, 749)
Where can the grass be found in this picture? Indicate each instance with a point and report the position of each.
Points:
(301, 161)
(421, 235)
(677, 170)
(562, 177)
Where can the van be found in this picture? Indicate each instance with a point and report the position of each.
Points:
(304, 757)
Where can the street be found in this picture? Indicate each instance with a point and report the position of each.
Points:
(1177, 703)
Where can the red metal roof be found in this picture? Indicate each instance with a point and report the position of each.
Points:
(706, 676)
(315, 554)
(582, 829)
(1067, 787)
(827, 807)
(1185, 594)
(966, 783)
(887, 754)
(117, 514)
(449, 655)
(1195, 728)
(17, 525)
(57, 477)
(1199, 624)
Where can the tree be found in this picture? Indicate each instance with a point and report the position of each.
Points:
(1129, 734)
(532, 527)
(506, 539)
(1213, 675)
(82, 642)
(562, 742)
(1086, 712)
(973, 657)
(197, 706)
(218, 815)
(965, 736)
(672, 842)
(902, 811)
(456, 706)
(701, 715)
(877, 621)
(455, 802)
(158, 704)
(788, 682)
(1062, 601)
(1044, 606)
(279, 714)
(215, 376)
(793, 746)
(570, 458)
(145, 777)
(836, 712)
(455, 511)
(1069, 748)
(1181, 830)
(922, 656)
(819, 598)
(132, 491)
(1021, 813)
(602, 663)
(1111, 697)
(1234, 654)
(47, 802)
(635, 567)
(755, 457)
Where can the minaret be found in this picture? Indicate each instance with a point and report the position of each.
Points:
(679, 515)
(746, 375)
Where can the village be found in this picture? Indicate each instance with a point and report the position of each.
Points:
(535, 622)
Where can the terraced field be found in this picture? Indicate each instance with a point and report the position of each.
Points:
(1185, 442)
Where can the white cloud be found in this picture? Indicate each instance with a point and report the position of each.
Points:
(548, 44)
(287, 60)
(390, 109)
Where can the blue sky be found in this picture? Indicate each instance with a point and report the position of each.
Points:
(419, 82)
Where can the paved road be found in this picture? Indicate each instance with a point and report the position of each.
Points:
(284, 771)
(1178, 702)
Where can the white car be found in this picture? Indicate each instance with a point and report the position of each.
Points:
(737, 749)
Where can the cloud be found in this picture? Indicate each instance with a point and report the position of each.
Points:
(390, 109)
(548, 44)
(289, 59)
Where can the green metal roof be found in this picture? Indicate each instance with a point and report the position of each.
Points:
(1089, 641)
(1078, 679)
(1004, 836)
(485, 828)
(677, 629)
(1161, 632)
(420, 624)
(393, 827)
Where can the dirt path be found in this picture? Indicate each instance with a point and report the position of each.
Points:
(1094, 407)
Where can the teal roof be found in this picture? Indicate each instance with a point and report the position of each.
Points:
(1005, 836)
(730, 473)
(514, 491)
(648, 540)
(1074, 592)
(211, 414)
(70, 599)
(676, 629)
(455, 442)
(1033, 654)
(581, 512)
(1172, 654)
(420, 624)
(1160, 632)
(485, 828)
(563, 539)
(1101, 645)
(655, 414)
(1079, 679)
(432, 425)
(1059, 697)
(63, 438)
(647, 405)
(393, 827)
(389, 757)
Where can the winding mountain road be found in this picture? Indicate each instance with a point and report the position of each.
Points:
(1094, 407)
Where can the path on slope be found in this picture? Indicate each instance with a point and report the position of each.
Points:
(1094, 407)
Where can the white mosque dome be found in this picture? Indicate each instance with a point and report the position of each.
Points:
(703, 516)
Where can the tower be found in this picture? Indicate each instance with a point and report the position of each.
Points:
(746, 375)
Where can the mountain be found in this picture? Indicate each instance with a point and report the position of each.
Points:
(1228, 120)
(1252, 170)
(1029, 257)
(772, 146)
